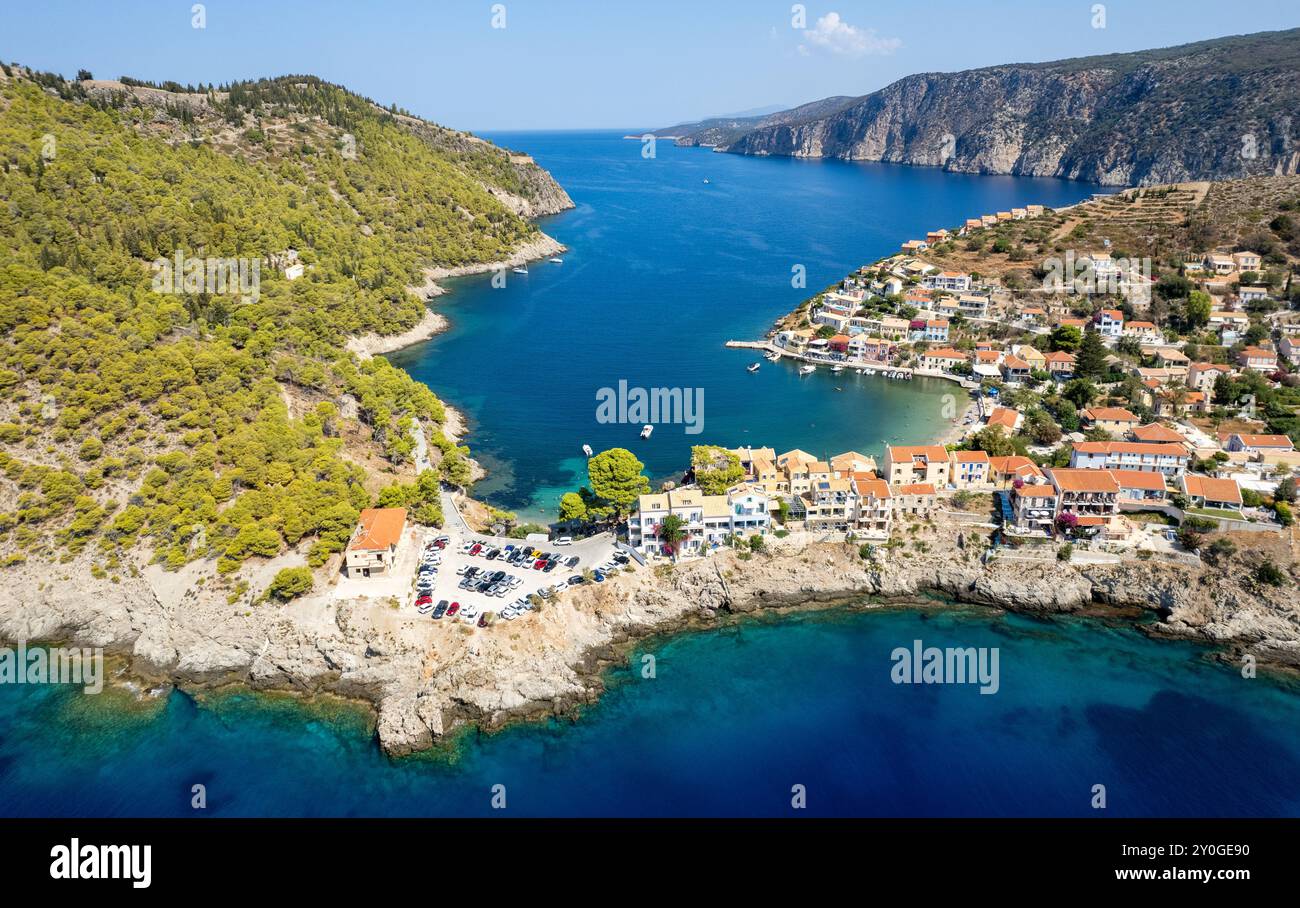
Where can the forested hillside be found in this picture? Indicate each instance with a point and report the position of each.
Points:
(200, 423)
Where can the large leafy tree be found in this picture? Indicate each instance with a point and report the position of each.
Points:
(716, 469)
(616, 477)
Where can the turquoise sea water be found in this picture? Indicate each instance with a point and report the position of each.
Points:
(732, 720)
(662, 270)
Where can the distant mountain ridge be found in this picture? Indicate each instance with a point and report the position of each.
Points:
(1217, 109)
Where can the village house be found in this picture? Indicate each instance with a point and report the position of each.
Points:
(941, 360)
(1220, 264)
(905, 465)
(1005, 418)
(1037, 361)
(1092, 496)
(1143, 332)
(1060, 365)
(1289, 347)
(871, 349)
(1258, 444)
(951, 281)
(1142, 486)
(973, 305)
(1014, 369)
(1251, 294)
(1115, 420)
(1246, 261)
(1169, 459)
(969, 469)
(1033, 507)
(1110, 323)
(873, 517)
(829, 506)
(917, 498)
(1005, 472)
(1258, 359)
(1202, 376)
(1155, 433)
(709, 519)
(1206, 492)
(373, 549)
(853, 462)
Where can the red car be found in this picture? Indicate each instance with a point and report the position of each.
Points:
(482, 620)
(453, 609)
(476, 548)
(424, 599)
(539, 564)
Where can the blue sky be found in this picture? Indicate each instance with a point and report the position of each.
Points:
(581, 63)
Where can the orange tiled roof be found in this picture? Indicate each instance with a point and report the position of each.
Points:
(380, 528)
(1212, 489)
(1084, 480)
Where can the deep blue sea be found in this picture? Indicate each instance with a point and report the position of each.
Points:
(663, 269)
(733, 720)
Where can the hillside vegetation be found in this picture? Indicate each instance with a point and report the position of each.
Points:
(206, 424)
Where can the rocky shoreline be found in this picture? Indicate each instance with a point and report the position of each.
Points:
(425, 680)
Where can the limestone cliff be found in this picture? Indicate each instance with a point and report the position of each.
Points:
(1217, 109)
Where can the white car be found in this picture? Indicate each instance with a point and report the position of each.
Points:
(564, 540)
(460, 571)
(561, 586)
(469, 612)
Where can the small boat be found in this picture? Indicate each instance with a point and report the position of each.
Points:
(837, 370)
(646, 430)
(557, 261)
(706, 181)
(839, 389)
(807, 370)
(752, 367)
(586, 449)
(862, 371)
(870, 371)
(521, 269)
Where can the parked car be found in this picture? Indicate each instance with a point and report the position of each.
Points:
(561, 586)
(483, 620)
(440, 608)
(539, 564)
(549, 566)
(453, 609)
(576, 580)
(469, 612)
(571, 561)
(475, 548)
(564, 540)
(598, 576)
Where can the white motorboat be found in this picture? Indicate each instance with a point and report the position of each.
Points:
(807, 370)
(752, 367)
(521, 269)
(557, 261)
(646, 430)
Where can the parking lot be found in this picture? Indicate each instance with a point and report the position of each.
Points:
(503, 574)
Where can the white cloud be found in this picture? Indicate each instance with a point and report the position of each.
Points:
(832, 34)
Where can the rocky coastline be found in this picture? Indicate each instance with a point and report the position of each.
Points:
(425, 681)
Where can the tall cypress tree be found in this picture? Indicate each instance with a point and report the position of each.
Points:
(1090, 361)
